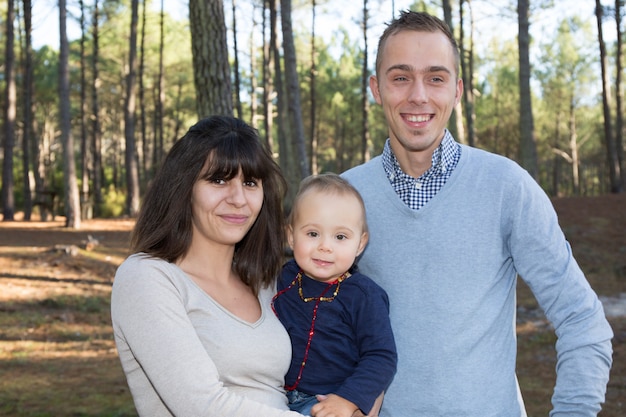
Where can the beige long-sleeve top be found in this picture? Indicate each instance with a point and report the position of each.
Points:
(185, 355)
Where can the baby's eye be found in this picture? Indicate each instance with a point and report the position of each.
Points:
(341, 237)
(312, 234)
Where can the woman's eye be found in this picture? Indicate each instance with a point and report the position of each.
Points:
(250, 183)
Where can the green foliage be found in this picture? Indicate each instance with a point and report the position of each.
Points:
(497, 105)
(565, 71)
(114, 203)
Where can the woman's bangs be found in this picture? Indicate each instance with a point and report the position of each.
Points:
(230, 156)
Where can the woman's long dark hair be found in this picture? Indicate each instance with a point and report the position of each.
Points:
(164, 224)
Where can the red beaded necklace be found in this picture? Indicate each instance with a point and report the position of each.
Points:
(318, 300)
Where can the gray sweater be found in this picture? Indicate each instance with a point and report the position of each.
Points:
(450, 270)
(186, 356)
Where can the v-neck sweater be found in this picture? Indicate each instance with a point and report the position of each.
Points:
(450, 270)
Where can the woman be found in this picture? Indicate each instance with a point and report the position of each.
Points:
(191, 307)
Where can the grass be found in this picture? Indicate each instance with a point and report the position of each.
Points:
(58, 357)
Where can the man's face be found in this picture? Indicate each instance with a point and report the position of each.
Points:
(418, 88)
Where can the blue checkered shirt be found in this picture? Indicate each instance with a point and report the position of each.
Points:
(416, 192)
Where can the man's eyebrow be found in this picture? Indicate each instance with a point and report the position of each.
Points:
(400, 67)
(410, 68)
(439, 68)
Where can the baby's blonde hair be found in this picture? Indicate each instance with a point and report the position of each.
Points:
(327, 183)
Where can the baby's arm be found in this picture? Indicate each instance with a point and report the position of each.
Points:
(337, 403)
(376, 407)
(333, 405)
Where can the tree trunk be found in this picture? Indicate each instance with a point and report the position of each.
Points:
(210, 58)
(160, 103)
(72, 201)
(313, 101)
(85, 205)
(29, 137)
(96, 139)
(132, 174)
(528, 146)
(8, 200)
(284, 146)
(611, 151)
(254, 106)
(573, 145)
(293, 89)
(236, 64)
(455, 124)
(619, 120)
(365, 127)
(268, 85)
(143, 150)
(467, 65)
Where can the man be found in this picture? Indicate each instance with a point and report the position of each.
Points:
(451, 229)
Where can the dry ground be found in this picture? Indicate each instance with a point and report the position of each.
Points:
(57, 356)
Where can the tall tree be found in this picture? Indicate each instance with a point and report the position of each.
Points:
(266, 77)
(293, 89)
(611, 151)
(160, 102)
(365, 133)
(132, 172)
(84, 186)
(254, 84)
(143, 150)
(28, 137)
(528, 146)
(456, 118)
(72, 201)
(236, 63)
(284, 146)
(564, 76)
(497, 121)
(313, 92)
(210, 58)
(467, 66)
(619, 94)
(8, 200)
(96, 134)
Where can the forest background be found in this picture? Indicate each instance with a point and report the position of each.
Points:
(87, 122)
(94, 93)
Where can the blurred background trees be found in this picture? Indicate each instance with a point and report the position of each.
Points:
(139, 73)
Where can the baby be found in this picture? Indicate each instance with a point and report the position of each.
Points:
(337, 318)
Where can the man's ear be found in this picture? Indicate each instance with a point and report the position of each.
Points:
(374, 89)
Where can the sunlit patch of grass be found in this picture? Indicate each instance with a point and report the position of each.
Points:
(44, 376)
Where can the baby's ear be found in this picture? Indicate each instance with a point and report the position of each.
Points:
(365, 237)
(290, 236)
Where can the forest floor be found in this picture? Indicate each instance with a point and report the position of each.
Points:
(58, 358)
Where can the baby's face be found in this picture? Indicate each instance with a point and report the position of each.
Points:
(326, 234)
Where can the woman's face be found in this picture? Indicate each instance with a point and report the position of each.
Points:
(225, 210)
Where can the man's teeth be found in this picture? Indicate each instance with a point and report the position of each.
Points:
(417, 119)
